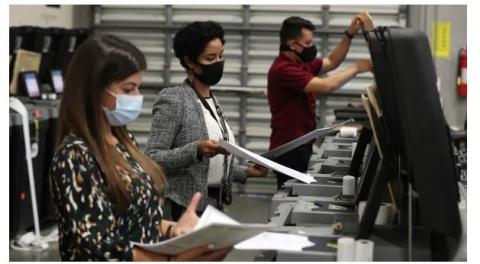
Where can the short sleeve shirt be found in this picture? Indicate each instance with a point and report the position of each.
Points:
(293, 111)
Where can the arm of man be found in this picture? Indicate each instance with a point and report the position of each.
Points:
(336, 57)
(328, 84)
(333, 60)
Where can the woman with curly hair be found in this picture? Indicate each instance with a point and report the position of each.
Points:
(188, 122)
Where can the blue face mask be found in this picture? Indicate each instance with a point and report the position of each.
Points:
(127, 109)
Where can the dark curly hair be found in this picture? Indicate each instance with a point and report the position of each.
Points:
(192, 39)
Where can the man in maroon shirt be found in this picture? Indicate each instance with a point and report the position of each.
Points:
(293, 86)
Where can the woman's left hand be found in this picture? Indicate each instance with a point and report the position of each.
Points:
(256, 170)
(189, 219)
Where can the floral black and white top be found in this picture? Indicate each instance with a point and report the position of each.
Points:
(89, 228)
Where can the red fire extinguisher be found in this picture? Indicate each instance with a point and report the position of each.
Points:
(462, 72)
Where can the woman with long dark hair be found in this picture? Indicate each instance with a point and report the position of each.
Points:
(106, 191)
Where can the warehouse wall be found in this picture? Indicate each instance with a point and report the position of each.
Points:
(422, 17)
(66, 16)
(251, 46)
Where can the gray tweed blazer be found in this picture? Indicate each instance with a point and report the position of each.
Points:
(178, 126)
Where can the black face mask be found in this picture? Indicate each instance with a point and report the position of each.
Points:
(308, 53)
(211, 73)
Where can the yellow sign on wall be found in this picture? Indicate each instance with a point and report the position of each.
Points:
(441, 33)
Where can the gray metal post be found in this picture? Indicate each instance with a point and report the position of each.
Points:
(242, 122)
(402, 15)
(168, 46)
(244, 78)
(96, 10)
(325, 28)
(322, 100)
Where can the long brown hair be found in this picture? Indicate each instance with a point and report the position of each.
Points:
(99, 62)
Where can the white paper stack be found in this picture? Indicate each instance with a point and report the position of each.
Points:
(219, 230)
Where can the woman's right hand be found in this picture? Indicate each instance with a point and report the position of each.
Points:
(210, 148)
(201, 253)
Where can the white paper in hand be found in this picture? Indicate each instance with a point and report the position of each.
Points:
(291, 145)
(212, 215)
(217, 235)
(255, 158)
(214, 228)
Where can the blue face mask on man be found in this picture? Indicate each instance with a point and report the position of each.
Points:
(127, 109)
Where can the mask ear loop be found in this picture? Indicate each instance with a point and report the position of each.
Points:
(298, 43)
(110, 92)
(304, 47)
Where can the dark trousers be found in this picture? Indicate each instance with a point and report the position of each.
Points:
(296, 159)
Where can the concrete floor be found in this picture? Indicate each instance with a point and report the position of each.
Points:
(245, 209)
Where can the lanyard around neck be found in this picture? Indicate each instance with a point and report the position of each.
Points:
(221, 123)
